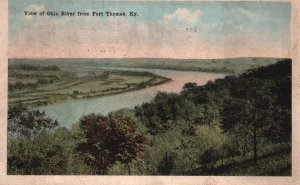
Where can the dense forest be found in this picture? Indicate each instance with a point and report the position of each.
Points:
(239, 125)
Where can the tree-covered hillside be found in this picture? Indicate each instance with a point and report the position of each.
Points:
(239, 125)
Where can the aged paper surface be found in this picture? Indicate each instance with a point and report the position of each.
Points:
(92, 42)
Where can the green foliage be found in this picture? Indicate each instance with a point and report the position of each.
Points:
(223, 119)
(208, 156)
(26, 128)
(36, 147)
(167, 164)
(110, 139)
(255, 99)
(275, 160)
(23, 122)
(161, 113)
(239, 125)
(29, 67)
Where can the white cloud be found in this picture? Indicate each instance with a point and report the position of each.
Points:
(245, 12)
(34, 7)
(119, 37)
(182, 15)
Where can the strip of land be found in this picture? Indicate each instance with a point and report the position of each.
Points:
(228, 65)
(41, 85)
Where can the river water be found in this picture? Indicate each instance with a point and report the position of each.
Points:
(68, 113)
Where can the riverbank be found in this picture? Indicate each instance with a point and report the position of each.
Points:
(39, 86)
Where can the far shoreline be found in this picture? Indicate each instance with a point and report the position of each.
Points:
(230, 66)
(166, 80)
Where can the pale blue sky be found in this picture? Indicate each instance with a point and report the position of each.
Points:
(215, 25)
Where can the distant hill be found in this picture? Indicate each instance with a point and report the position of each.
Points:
(229, 65)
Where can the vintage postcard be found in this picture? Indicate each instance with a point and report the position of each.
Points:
(150, 92)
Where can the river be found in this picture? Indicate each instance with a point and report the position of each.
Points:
(68, 113)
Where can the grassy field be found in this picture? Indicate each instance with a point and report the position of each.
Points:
(42, 87)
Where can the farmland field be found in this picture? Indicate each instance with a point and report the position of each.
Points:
(42, 86)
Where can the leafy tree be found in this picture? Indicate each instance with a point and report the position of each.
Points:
(26, 154)
(255, 109)
(167, 164)
(24, 122)
(110, 139)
